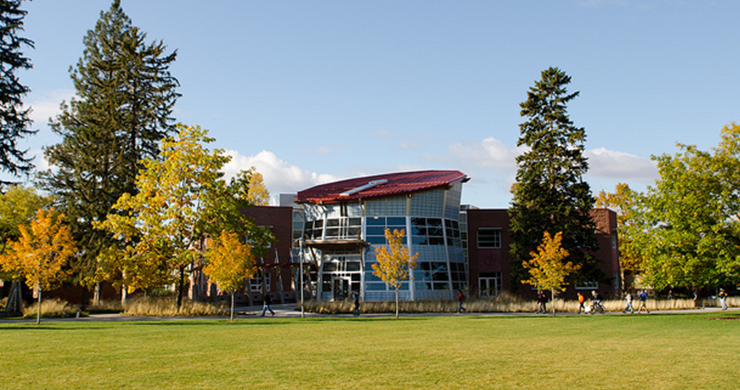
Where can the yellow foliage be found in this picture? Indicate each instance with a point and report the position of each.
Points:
(258, 194)
(394, 261)
(229, 261)
(547, 269)
(41, 251)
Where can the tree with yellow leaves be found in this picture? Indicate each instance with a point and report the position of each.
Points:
(230, 262)
(40, 253)
(394, 261)
(258, 194)
(182, 198)
(547, 268)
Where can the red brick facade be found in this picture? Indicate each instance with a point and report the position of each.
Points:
(490, 262)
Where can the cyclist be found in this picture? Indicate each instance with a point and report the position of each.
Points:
(596, 302)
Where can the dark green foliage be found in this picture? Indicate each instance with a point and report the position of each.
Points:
(14, 121)
(122, 109)
(550, 194)
(687, 229)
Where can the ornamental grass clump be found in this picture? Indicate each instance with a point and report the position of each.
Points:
(105, 307)
(167, 307)
(51, 308)
(505, 302)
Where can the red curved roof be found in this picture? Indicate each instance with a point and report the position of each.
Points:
(378, 186)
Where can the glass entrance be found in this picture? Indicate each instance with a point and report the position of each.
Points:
(489, 286)
(340, 288)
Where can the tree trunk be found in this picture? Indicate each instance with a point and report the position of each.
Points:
(232, 306)
(124, 295)
(96, 294)
(38, 310)
(396, 303)
(15, 301)
(181, 288)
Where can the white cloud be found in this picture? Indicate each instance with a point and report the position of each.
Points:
(45, 105)
(488, 153)
(408, 146)
(620, 166)
(280, 177)
(384, 134)
(323, 149)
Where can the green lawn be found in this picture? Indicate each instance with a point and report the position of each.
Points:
(687, 351)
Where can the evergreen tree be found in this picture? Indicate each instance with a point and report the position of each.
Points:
(124, 99)
(14, 121)
(550, 194)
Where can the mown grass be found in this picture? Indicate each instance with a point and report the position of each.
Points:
(444, 352)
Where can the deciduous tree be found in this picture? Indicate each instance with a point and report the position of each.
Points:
(14, 120)
(181, 199)
(627, 204)
(690, 236)
(394, 262)
(550, 194)
(230, 262)
(18, 205)
(40, 253)
(547, 267)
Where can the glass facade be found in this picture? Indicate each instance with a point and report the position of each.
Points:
(431, 222)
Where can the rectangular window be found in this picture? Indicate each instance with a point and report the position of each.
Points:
(489, 238)
(255, 283)
(587, 285)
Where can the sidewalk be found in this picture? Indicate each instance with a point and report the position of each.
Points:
(288, 311)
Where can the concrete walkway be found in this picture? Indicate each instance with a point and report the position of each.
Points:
(288, 311)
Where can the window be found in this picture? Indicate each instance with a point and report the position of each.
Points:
(586, 285)
(427, 231)
(489, 284)
(489, 238)
(375, 229)
(255, 283)
(250, 241)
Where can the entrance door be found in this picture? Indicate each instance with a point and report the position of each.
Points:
(488, 287)
(340, 287)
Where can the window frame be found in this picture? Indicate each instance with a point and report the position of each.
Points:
(495, 245)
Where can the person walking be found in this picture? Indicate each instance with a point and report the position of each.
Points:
(460, 299)
(643, 302)
(581, 301)
(356, 299)
(266, 301)
(723, 298)
(628, 298)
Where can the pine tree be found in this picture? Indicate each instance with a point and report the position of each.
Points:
(550, 194)
(14, 120)
(122, 109)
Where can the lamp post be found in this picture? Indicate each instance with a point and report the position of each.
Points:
(300, 243)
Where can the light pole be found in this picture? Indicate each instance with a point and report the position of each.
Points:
(300, 243)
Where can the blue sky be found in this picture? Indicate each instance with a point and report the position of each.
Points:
(314, 91)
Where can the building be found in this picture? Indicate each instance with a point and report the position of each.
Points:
(345, 222)
(489, 260)
(334, 229)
